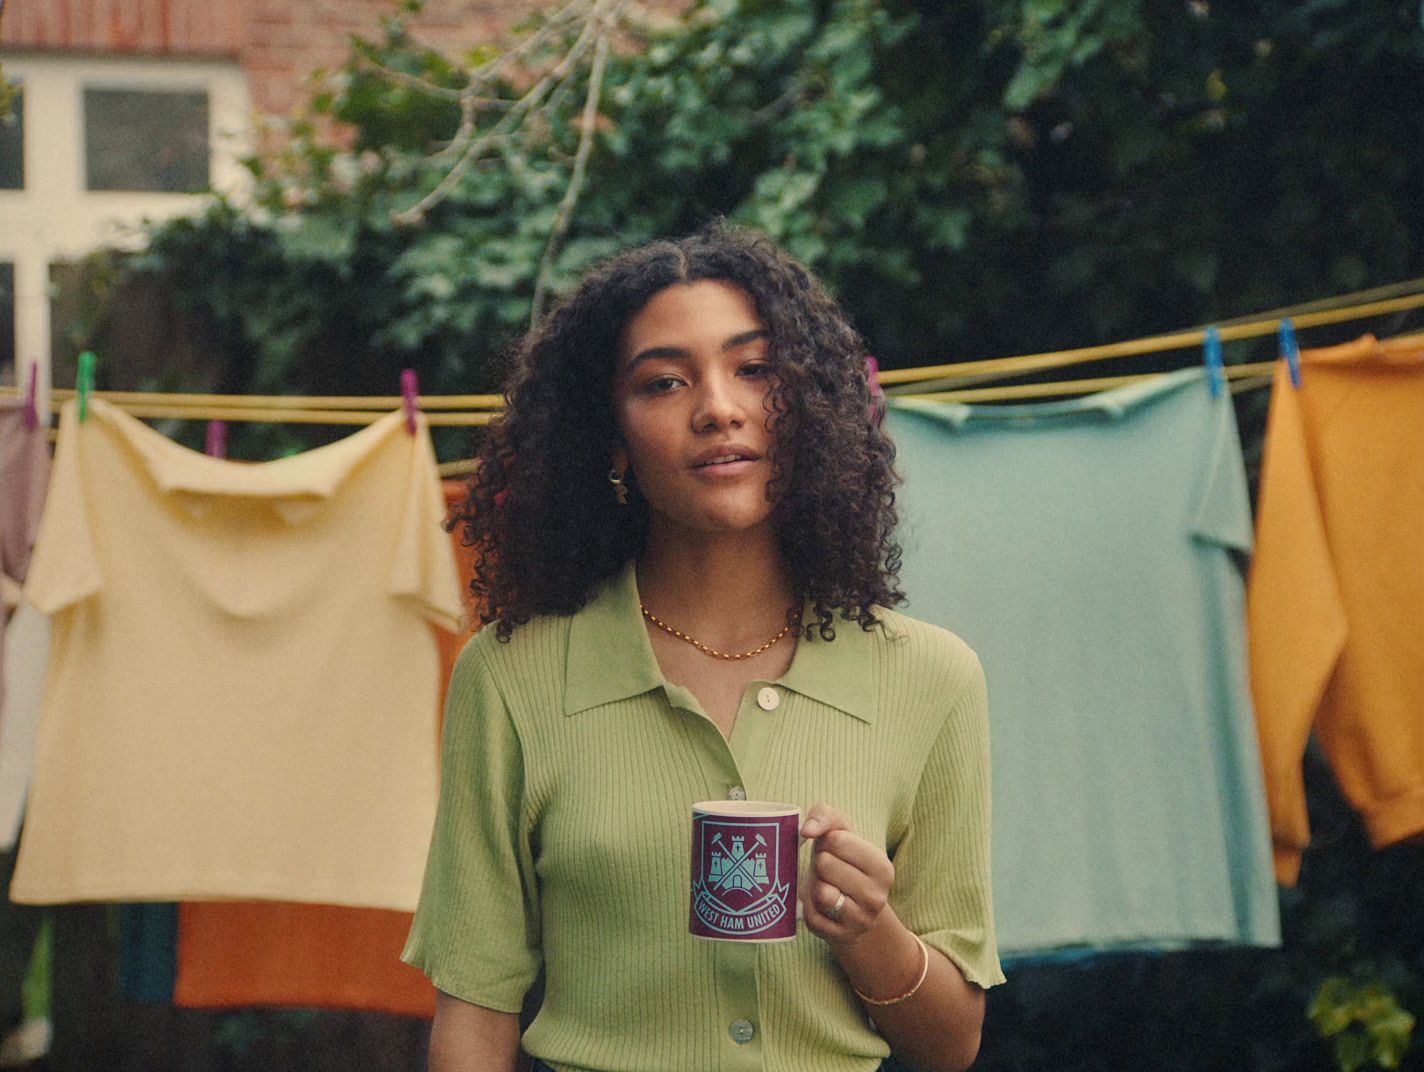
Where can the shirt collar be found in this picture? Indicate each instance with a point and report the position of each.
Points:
(1113, 404)
(610, 657)
(1402, 350)
(295, 487)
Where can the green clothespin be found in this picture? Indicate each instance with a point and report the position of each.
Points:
(85, 384)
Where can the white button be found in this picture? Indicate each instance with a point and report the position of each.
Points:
(768, 699)
(736, 793)
(741, 1030)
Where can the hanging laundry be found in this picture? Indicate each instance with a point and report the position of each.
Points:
(148, 952)
(313, 956)
(26, 655)
(1089, 551)
(232, 955)
(1336, 592)
(24, 474)
(243, 682)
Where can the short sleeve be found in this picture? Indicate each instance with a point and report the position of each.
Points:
(477, 930)
(64, 568)
(942, 886)
(424, 567)
(1223, 508)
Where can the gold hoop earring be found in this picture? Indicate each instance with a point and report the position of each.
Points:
(620, 488)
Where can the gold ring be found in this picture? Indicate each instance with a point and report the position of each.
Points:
(834, 912)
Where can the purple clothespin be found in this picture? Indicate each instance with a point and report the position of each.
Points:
(410, 397)
(32, 409)
(217, 439)
(1290, 350)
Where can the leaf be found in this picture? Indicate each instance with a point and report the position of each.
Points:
(326, 237)
(1351, 1051)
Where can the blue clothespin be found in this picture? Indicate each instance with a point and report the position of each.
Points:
(1290, 350)
(32, 409)
(410, 397)
(85, 383)
(1215, 367)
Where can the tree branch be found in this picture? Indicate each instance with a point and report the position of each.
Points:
(585, 149)
(469, 145)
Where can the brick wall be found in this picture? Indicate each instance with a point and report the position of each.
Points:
(277, 42)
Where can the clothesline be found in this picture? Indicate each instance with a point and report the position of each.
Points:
(290, 415)
(1257, 374)
(278, 409)
(385, 403)
(318, 410)
(949, 382)
(1246, 377)
(998, 367)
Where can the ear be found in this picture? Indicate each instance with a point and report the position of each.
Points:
(620, 459)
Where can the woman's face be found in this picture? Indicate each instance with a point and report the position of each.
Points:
(690, 397)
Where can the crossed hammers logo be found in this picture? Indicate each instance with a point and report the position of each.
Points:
(741, 864)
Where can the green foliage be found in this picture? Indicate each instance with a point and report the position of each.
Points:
(9, 92)
(1365, 1020)
(974, 179)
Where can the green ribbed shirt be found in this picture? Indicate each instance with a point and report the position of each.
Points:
(563, 836)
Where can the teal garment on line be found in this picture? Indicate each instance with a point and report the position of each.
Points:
(1091, 551)
(148, 952)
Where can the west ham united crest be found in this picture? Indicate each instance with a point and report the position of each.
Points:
(743, 869)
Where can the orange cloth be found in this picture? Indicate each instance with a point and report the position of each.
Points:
(327, 956)
(237, 954)
(1336, 591)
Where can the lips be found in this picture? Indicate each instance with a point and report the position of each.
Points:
(727, 455)
(726, 459)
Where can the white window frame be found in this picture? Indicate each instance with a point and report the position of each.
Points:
(55, 217)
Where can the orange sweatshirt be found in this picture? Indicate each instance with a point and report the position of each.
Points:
(1335, 600)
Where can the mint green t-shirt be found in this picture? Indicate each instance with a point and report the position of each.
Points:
(563, 836)
(1090, 551)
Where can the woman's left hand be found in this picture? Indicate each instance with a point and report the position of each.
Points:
(842, 862)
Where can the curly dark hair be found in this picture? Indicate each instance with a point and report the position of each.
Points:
(541, 513)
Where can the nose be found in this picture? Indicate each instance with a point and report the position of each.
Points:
(718, 405)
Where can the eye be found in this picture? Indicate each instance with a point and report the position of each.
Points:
(755, 369)
(660, 385)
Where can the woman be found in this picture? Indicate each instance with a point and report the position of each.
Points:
(685, 525)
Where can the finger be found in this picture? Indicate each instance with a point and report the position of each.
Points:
(821, 819)
(859, 887)
(849, 921)
(856, 851)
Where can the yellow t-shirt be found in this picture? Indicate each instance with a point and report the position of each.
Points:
(564, 836)
(243, 682)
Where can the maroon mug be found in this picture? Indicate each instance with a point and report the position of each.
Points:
(744, 855)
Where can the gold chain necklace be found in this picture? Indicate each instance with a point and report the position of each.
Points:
(703, 647)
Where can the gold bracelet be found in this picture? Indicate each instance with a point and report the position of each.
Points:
(924, 971)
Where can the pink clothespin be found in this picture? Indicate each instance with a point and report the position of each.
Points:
(410, 397)
(217, 439)
(877, 395)
(32, 411)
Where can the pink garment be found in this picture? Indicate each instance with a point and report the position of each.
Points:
(24, 476)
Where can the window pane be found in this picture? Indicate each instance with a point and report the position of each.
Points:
(7, 322)
(137, 139)
(12, 145)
